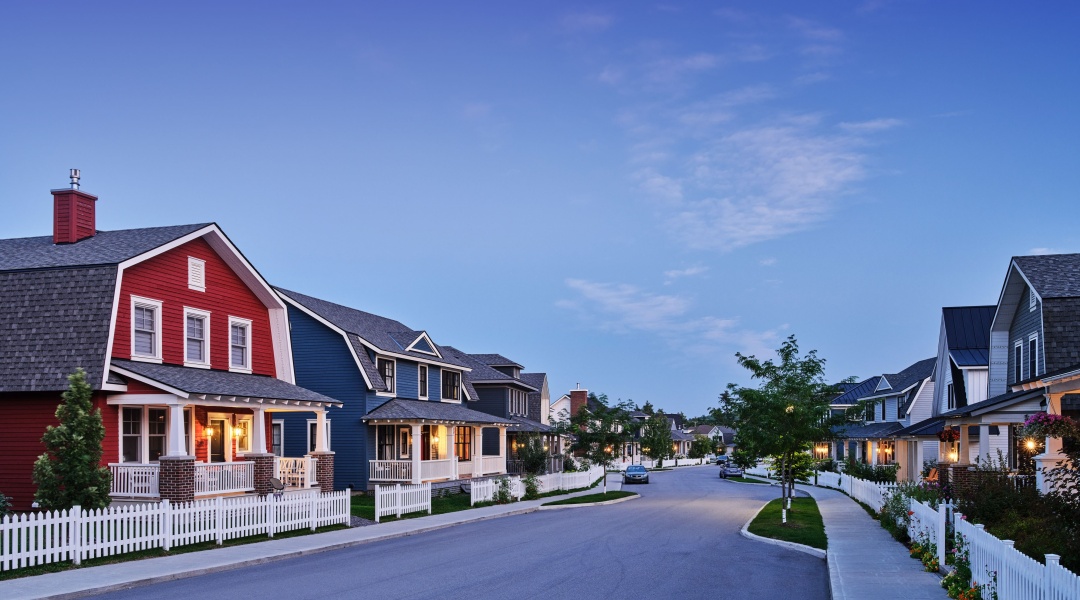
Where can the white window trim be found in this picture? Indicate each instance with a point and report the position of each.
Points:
(193, 284)
(309, 444)
(250, 342)
(191, 430)
(1019, 358)
(157, 306)
(393, 391)
(461, 392)
(281, 424)
(1034, 338)
(144, 432)
(251, 425)
(421, 393)
(195, 312)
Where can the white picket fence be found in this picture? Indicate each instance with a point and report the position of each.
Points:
(930, 524)
(484, 490)
(400, 499)
(46, 537)
(1019, 576)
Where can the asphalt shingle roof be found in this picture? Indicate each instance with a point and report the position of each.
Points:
(415, 410)
(869, 431)
(530, 426)
(496, 360)
(1052, 275)
(51, 323)
(223, 383)
(104, 248)
(535, 380)
(1001, 400)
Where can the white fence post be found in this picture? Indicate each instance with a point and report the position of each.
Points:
(427, 492)
(1048, 574)
(270, 514)
(76, 534)
(399, 498)
(315, 511)
(219, 520)
(942, 524)
(166, 525)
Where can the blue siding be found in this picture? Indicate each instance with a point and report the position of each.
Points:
(490, 441)
(408, 380)
(1025, 322)
(325, 364)
(493, 400)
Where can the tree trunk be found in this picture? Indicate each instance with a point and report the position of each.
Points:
(783, 489)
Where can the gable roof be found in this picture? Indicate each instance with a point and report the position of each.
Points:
(104, 248)
(908, 377)
(496, 360)
(858, 391)
(535, 380)
(967, 329)
(1052, 275)
(383, 334)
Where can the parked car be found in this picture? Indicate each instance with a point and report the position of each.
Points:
(722, 459)
(635, 474)
(729, 470)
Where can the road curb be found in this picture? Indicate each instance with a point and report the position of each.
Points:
(745, 531)
(604, 503)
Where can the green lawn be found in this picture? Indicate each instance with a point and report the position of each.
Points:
(804, 524)
(589, 498)
(747, 480)
(364, 506)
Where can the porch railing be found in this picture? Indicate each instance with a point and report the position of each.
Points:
(222, 478)
(464, 468)
(492, 464)
(134, 480)
(554, 465)
(390, 470)
(436, 469)
(298, 472)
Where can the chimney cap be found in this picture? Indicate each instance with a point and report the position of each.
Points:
(74, 174)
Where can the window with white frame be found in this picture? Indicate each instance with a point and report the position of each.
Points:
(1018, 362)
(239, 344)
(131, 434)
(196, 279)
(196, 338)
(243, 433)
(143, 434)
(951, 396)
(387, 368)
(277, 438)
(313, 428)
(145, 329)
(451, 385)
(423, 382)
(1033, 355)
(517, 402)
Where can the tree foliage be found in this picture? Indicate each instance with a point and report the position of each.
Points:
(532, 454)
(701, 446)
(648, 408)
(600, 431)
(786, 412)
(656, 438)
(69, 473)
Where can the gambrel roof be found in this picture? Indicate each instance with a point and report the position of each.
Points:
(104, 248)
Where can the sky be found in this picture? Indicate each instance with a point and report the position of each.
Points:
(622, 195)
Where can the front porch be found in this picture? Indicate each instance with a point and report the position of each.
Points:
(141, 481)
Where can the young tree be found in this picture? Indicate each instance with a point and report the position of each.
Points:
(656, 438)
(701, 446)
(648, 408)
(600, 431)
(532, 454)
(69, 473)
(786, 413)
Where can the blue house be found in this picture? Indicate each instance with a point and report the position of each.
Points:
(408, 408)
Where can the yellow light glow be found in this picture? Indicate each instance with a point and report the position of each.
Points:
(953, 456)
(209, 432)
(1030, 444)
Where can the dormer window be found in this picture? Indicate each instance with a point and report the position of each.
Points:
(451, 385)
(145, 329)
(386, 369)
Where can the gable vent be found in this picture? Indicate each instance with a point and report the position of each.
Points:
(196, 274)
(1031, 299)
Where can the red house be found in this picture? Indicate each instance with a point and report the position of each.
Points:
(185, 345)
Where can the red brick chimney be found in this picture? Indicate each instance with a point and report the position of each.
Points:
(578, 399)
(73, 213)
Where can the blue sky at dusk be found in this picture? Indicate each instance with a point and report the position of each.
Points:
(619, 194)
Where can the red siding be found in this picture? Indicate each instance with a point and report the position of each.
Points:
(165, 278)
(25, 417)
(138, 387)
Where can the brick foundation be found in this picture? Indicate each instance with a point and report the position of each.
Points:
(176, 479)
(961, 476)
(324, 470)
(264, 471)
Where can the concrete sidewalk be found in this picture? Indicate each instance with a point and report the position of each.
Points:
(95, 580)
(864, 560)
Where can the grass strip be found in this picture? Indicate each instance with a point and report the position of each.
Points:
(747, 480)
(804, 524)
(66, 565)
(590, 498)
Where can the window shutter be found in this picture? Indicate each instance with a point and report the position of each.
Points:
(196, 274)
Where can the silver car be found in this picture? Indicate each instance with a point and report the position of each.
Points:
(730, 470)
(635, 474)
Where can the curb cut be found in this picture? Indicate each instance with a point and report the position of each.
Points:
(604, 503)
(822, 554)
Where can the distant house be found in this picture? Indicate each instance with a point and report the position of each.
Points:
(408, 407)
(722, 436)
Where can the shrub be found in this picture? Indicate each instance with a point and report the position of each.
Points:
(5, 506)
(532, 486)
(875, 473)
(502, 492)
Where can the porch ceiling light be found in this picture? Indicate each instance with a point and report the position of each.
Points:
(1030, 444)
(209, 432)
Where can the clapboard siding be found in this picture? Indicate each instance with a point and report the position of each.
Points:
(493, 400)
(1024, 323)
(165, 278)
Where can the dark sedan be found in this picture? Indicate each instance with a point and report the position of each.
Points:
(635, 474)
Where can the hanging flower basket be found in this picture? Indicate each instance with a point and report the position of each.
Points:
(1042, 424)
(949, 435)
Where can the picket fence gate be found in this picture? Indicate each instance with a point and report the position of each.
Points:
(402, 498)
(75, 534)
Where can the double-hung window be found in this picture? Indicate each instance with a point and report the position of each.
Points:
(239, 345)
(143, 434)
(131, 435)
(386, 369)
(145, 329)
(423, 383)
(196, 338)
(313, 433)
(451, 384)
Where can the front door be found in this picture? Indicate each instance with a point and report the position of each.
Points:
(217, 440)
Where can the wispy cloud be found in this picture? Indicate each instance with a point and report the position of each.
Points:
(625, 309)
(767, 262)
(674, 274)
(586, 22)
(871, 126)
(1041, 251)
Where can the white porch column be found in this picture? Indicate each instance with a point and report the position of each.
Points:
(415, 453)
(320, 432)
(502, 449)
(873, 453)
(451, 450)
(177, 440)
(477, 451)
(258, 435)
(984, 442)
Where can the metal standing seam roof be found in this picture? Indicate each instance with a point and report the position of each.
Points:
(425, 410)
(221, 383)
(968, 327)
(971, 357)
(999, 401)
(862, 389)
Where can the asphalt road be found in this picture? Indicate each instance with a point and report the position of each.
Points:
(679, 540)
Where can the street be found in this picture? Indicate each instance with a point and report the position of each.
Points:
(679, 540)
